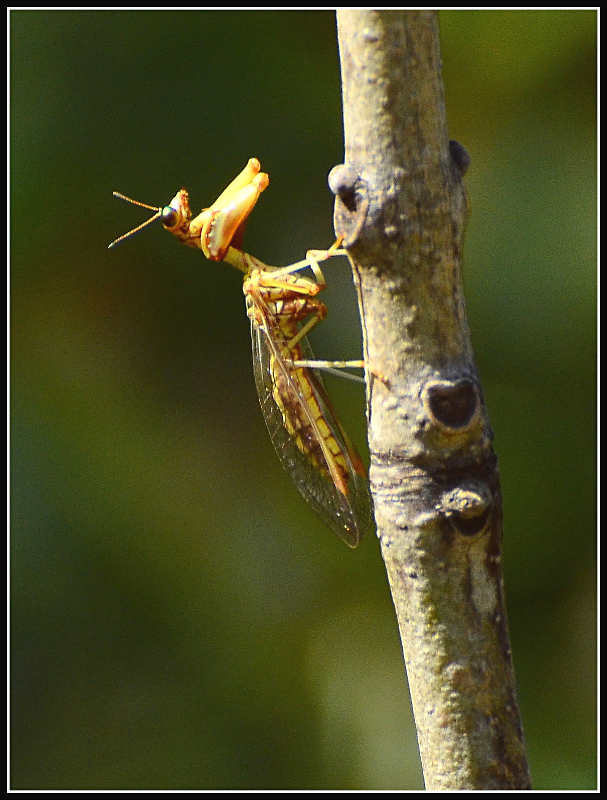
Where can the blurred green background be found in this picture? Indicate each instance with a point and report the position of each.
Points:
(180, 618)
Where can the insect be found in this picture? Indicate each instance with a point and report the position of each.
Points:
(283, 307)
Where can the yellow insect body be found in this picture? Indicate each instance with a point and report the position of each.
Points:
(282, 307)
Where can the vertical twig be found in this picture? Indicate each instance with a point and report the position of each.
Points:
(402, 209)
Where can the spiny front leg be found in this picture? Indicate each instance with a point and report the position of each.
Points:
(224, 222)
(219, 228)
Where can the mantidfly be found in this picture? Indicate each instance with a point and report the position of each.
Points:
(282, 307)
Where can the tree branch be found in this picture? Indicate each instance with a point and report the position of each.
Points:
(402, 210)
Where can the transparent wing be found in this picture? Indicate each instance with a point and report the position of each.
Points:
(349, 514)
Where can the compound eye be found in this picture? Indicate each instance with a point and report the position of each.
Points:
(169, 217)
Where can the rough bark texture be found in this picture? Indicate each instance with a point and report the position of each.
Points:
(402, 209)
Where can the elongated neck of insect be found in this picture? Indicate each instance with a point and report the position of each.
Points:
(243, 261)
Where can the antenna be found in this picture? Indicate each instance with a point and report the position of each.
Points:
(139, 227)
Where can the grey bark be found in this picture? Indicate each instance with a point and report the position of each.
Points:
(402, 209)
